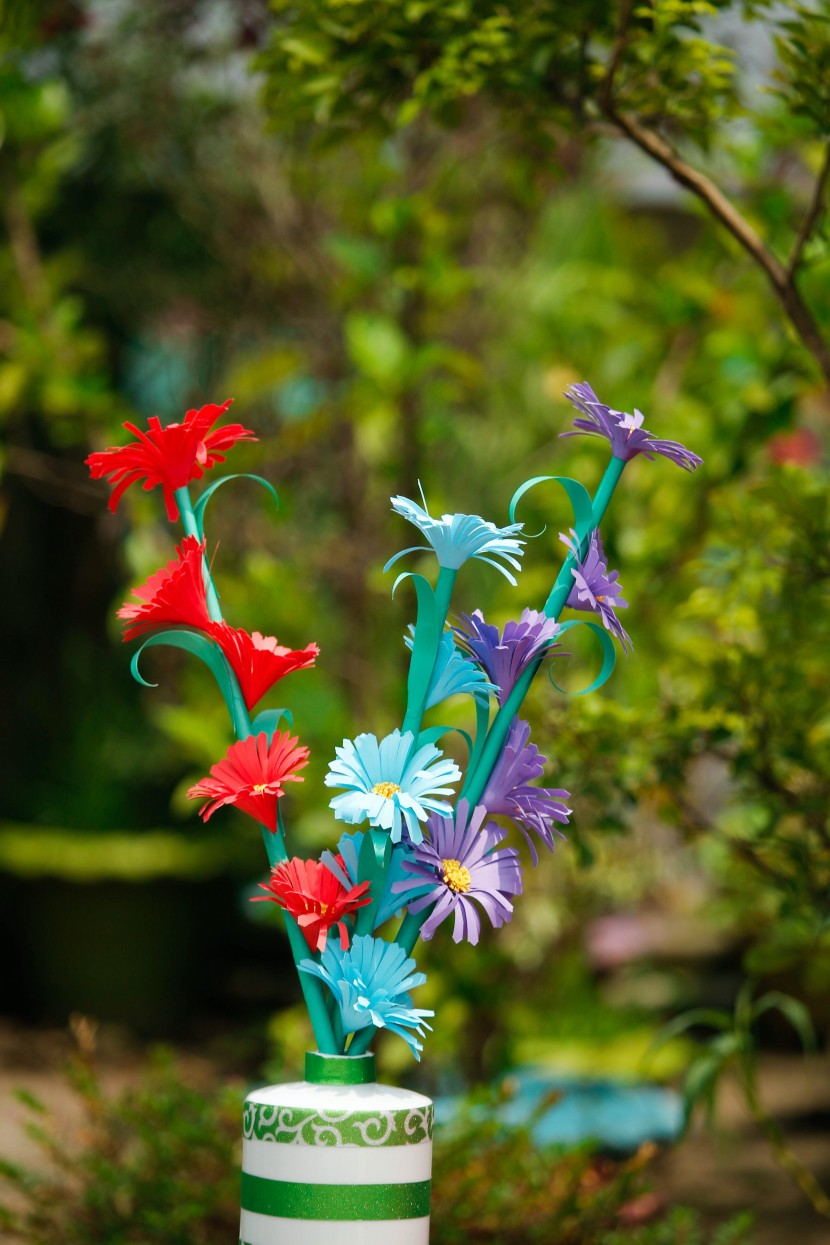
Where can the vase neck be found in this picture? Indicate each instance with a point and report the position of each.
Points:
(339, 1069)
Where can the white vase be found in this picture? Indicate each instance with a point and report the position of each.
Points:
(336, 1158)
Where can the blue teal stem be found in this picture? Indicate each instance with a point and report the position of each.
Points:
(477, 780)
(274, 841)
(191, 528)
(443, 595)
(408, 934)
(362, 1040)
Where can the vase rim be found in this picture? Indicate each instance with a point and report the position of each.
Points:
(339, 1069)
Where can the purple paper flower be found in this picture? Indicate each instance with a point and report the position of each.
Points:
(504, 657)
(508, 791)
(458, 856)
(595, 588)
(625, 432)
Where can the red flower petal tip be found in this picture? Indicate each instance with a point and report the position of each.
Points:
(173, 596)
(170, 456)
(259, 661)
(252, 775)
(316, 899)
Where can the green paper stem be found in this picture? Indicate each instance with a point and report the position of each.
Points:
(191, 527)
(417, 703)
(274, 842)
(607, 484)
(564, 580)
(410, 930)
(362, 1040)
(477, 779)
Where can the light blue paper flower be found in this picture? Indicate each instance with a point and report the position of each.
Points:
(457, 537)
(453, 674)
(371, 983)
(349, 849)
(387, 786)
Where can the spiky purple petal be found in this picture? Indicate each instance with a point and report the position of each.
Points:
(623, 431)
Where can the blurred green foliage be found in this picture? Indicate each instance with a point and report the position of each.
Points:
(160, 1163)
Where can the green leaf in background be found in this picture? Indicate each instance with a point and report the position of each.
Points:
(792, 1010)
(377, 347)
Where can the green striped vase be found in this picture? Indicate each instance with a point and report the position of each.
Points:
(336, 1151)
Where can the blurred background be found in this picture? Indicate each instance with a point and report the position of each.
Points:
(394, 237)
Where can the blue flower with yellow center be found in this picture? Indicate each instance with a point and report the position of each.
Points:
(390, 784)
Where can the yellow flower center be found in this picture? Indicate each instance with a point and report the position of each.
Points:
(386, 789)
(456, 876)
(260, 787)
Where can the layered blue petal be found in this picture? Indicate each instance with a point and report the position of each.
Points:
(453, 674)
(457, 537)
(370, 983)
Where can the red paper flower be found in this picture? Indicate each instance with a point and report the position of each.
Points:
(251, 776)
(173, 596)
(315, 898)
(258, 661)
(171, 456)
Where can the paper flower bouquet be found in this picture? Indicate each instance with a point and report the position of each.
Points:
(427, 845)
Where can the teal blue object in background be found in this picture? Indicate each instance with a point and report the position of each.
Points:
(617, 1115)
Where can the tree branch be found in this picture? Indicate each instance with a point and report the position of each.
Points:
(606, 90)
(780, 278)
(813, 214)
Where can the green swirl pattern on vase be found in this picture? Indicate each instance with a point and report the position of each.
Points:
(301, 1126)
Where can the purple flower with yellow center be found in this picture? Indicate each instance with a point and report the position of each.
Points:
(503, 657)
(459, 857)
(624, 432)
(596, 589)
(390, 783)
(508, 792)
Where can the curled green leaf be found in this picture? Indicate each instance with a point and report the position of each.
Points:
(433, 733)
(200, 646)
(269, 720)
(578, 496)
(200, 505)
(609, 656)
